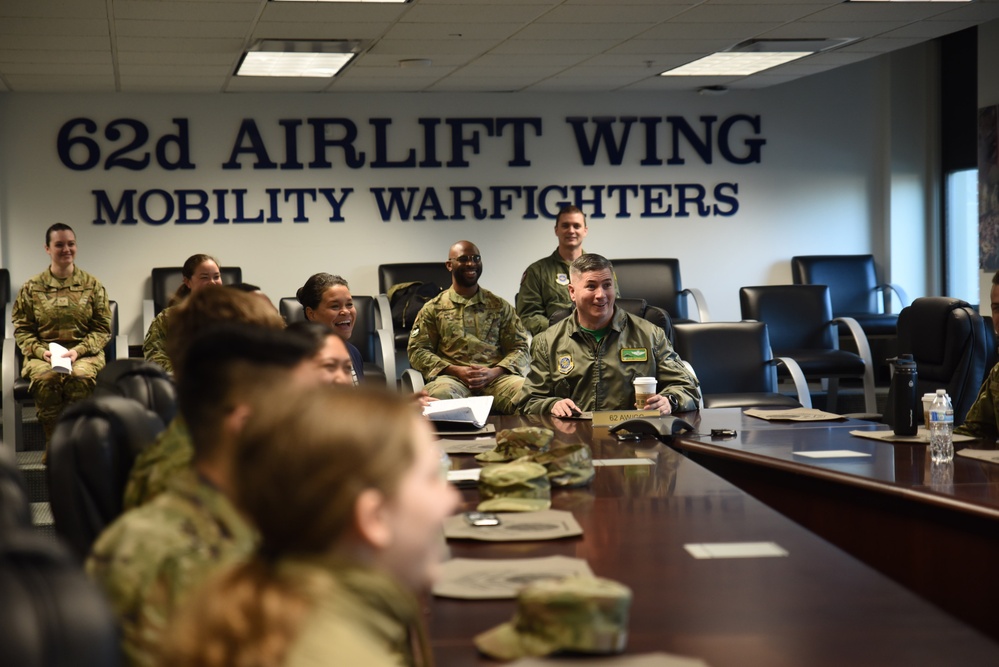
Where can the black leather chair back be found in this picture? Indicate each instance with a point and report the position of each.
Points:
(733, 362)
(4, 299)
(52, 615)
(797, 316)
(426, 272)
(15, 508)
(92, 451)
(947, 338)
(166, 280)
(852, 280)
(142, 381)
(291, 310)
(655, 280)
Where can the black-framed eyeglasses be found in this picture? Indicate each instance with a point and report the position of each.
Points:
(466, 259)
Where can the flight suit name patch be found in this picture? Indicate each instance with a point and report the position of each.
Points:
(631, 354)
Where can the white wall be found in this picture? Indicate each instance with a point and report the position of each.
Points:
(988, 95)
(822, 187)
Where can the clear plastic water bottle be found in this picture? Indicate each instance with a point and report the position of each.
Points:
(941, 429)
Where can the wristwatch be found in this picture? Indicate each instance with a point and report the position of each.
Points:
(674, 402)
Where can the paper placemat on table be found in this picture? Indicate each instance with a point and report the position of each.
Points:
(922, 436)
(468, 445)
(516, 527)
(497, 579)
(795, 415)
(990, 455)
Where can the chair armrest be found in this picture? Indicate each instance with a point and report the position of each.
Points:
(864, 348)
(386, 350)
(121, 346)
(700, 394)
(412, 381)
(8, 326)
(148, 315)
(800, 384)
(383, 313)
(8, 373)
(886, 289)
(699, 302)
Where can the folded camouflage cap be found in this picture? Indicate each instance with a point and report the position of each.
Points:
(520, 486)
(512, 443)
(567, 466)
(580, 614)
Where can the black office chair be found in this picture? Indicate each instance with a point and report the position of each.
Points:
(658, 282)
(735, 365)
(389, 275)
(15, 388)
(7, 303)
(801, 326)
(142, 381)
(164, 282)
(92, 451)
(52, 615)
(370, 336)
(949, 342)
(853, 289)
(15, 508)
(856, 292)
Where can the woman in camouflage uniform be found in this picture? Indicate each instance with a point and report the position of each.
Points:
(350, 522)
(64, 304)
(198, 271)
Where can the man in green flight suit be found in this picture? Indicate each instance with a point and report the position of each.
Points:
(467, 340)
(589, 360)
(544, 287)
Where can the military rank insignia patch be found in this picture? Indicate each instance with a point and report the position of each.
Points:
(565, 364)
(562, 279)
(634, 354)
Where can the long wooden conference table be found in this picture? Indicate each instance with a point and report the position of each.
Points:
(817, 606)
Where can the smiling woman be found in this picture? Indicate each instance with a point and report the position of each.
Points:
(326, 299)
(198, 271)
(65, 305)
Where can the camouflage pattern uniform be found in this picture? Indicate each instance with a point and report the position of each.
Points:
(982, 420)
(158, 464)
(358, 617)
(544, 289)
(152, 557)
(73, 312)
(567, 362)
(154, 345)
(482, 330)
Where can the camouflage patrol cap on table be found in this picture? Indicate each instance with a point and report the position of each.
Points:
(567, 466)
(512, 443)
(581, 614)
(520, 486)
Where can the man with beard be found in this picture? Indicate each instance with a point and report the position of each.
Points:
(468, 341)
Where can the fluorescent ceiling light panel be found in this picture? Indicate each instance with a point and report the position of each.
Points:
(735, 63)
(318, 59)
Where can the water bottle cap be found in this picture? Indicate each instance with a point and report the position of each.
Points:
(941, 392)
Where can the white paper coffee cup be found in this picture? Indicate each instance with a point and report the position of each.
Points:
(645, 388)
(927, 403)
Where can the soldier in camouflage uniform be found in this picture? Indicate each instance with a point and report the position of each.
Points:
(154, 556)
(590, 360)
(172, 452)
(982, 420)
(66, 305)
(198, 271)
(467, 340)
